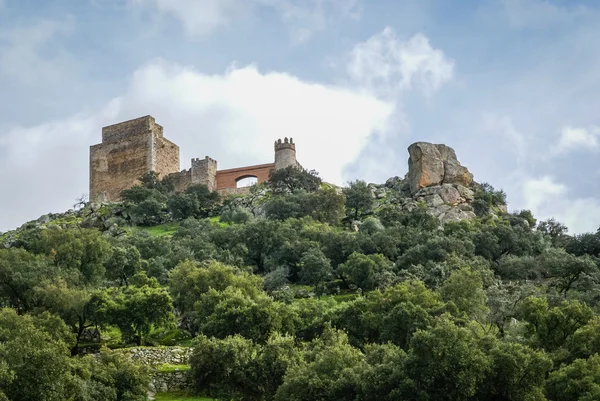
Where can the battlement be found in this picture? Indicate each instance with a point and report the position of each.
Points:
(285, 144)
(207, 160)
(130, 149)
(130, 128)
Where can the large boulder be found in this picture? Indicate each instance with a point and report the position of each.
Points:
(435, 164)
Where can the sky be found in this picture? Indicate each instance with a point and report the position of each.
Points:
(512, 85)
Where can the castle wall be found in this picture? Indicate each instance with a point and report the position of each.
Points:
(133, 148)
(129, 150)
(181, 180)
(285, 154)
(228, 178)
(204, 172)
(166, 159)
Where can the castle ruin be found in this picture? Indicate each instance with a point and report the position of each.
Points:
(133, 148)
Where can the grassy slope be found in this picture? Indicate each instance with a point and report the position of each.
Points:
(179, 397)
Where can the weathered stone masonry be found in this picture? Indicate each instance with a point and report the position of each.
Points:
(132, 148)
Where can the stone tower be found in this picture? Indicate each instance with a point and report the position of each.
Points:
(204, 172)
(285, 154)
(129, 150)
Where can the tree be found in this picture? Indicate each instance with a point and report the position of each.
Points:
(229, 312)
(359, 198)
(550, 327)
(20, 273)
(196, 201)
(464, 288)
(577, 381)
(555, 230)
(330, 371)
(73, 305)
(366, 271)
(517, 373)
(221, 367)
(135, 309)
(446, 363)
(188, 281)
(292, 179)
(113, 377)
(124, 263)
(36, 365)
(79, 250)
(315, 268)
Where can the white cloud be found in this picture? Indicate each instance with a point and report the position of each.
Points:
(573, 138)
(304, 17)
(233, 117)
(30, 52)
(547, 198)
(387, 65)
(539, 13)
(199, 17)
(307, 17)
(542, 191)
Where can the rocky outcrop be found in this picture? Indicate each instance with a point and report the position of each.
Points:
(430, 165)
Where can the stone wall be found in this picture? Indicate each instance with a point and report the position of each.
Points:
(285, 154)
(116, 166)
(129, 150)
(182, 179)
(166, 157)
(153, 356)
(163, 382)
(204, 172)
(133, 148)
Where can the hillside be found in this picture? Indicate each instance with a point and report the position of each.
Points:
(424, 287)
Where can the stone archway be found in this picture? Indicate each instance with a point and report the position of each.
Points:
(246, 181)
(228, 179)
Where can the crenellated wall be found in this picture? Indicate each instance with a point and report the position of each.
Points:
(133, 148)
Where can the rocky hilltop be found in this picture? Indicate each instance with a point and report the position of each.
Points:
(435, 180)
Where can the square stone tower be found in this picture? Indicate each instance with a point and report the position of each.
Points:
(129, 150)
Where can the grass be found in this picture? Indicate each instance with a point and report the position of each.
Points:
(179, 396)
(168, 368)
(161, 230)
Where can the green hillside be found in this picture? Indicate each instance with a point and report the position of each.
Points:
(301, 291)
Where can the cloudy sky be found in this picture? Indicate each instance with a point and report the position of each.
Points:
(512, 85)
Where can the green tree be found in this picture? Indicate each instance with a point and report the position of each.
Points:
(124, 263)
(79, 250)
(366, 271)
(315, 268)
(36, 365)
(446, 363)
(292, 179)
(330, 371)
(577, 381)
(517, 373)
(73, 305)
(359, 199)
(222, 368)
(464, 288)
(549, 327)
(135, 310)
(229, 312)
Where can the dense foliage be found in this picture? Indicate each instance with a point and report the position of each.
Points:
(301, 291)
